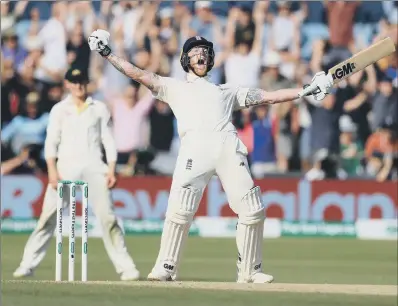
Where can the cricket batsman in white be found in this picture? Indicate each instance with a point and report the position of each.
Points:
(209, 145)
(78, 127)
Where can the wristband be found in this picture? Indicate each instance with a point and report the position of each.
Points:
(105, 52)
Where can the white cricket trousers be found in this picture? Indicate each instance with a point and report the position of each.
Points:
(99, 198)
(200, 157)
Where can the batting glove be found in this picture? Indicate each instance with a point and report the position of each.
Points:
(98, 41)
(320, 86)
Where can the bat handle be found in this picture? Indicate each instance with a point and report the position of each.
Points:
(316, 90)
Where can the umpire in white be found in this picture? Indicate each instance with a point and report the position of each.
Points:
(78, 126)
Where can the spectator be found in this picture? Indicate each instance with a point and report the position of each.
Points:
(242, 66)
(78, 49)
(328, 52)
(379, 152)
(183, 18)
(11, 48)
(263, 157)
(32, 41)
(25, 28)
(51, 97)
(9, 106)
(181, 9)
(8, 18)
(314, 26)
(167, 34)
(126, 16)
(350, 149)
(325, 128)
(161, 120)
(367, 21)
(285, 37)
(80, 13)
(340, 20)
(384, 102)
(355, 96)
(53, 63)
(24, 83)
(29, 128)
(129, 114)
(202, 23)
(391, 11)
(272, 79)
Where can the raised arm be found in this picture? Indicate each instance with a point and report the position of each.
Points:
(259, 19)
(149, 79)
(98, 41)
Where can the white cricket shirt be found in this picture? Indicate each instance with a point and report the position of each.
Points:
(53, 37)
(77, 136)
(201, 106)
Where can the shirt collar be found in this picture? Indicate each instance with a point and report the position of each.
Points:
(88, 101)
(193, 77)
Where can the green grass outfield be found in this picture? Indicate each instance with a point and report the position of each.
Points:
(312, 272)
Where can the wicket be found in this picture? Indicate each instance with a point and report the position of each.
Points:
(72, 215)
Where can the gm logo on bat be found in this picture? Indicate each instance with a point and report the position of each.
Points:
(343, 71)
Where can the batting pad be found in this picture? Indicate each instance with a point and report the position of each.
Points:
(249, 234)
(179, 217)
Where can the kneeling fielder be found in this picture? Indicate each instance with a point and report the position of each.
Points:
(77, 127)
(209, 145)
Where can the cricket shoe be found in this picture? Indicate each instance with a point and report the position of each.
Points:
(162, 274)
(130, 275)
(21, 272)
(257, 277)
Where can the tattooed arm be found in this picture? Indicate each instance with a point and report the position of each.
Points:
(99, 41)
(256, 96)
(149, 79)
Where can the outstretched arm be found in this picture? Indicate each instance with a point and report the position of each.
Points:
(320, 86)
(256, 96)
(146, 78)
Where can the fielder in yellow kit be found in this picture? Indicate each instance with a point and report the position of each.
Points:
(78, 126)
(209, 145)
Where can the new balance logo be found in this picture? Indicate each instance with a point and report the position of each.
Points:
(189, 164)
(242, 164)
(168, 267)
(256, 267)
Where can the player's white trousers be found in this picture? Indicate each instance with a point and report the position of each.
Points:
(200, 157)
(100, 200)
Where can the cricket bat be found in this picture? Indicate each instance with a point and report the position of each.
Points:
(362, 59)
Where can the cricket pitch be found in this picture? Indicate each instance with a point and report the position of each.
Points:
(381, 290)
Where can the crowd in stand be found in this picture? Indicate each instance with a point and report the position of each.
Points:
(353, 132)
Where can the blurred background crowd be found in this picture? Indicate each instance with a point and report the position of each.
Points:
(265, 44)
